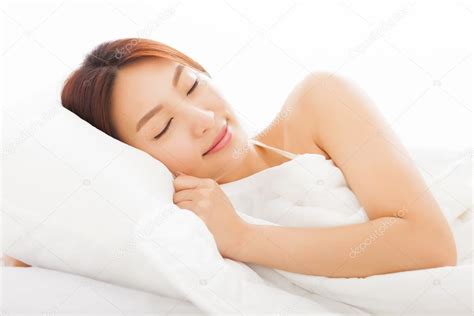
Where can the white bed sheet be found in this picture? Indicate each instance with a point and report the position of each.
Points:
(38, 291)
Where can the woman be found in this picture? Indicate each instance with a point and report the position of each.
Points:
(159, 100)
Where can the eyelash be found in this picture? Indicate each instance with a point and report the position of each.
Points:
(196, 82)
(164, 130)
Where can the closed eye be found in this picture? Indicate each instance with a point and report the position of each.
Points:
(193, 86)
(164, 130)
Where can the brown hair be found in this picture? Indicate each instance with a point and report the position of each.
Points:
(87, 91)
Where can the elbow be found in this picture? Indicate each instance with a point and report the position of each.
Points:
(448, 257)
(444, 252)
(437, 247)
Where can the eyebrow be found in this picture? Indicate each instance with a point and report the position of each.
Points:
(177, 74)
(148, 116)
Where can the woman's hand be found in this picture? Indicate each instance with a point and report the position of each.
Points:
(206, 199)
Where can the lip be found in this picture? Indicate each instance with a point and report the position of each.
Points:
(221, 139)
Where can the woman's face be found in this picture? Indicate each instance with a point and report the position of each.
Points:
(174, 113)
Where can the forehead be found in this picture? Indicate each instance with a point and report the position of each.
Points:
(138, 87)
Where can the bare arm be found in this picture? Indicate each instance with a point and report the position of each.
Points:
(383, 245)
(407, 229)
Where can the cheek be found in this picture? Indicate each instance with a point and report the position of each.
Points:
(182, 156)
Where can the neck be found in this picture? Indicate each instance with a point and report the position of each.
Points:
(253, 160)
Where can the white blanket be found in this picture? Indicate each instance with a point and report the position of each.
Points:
(220, 285)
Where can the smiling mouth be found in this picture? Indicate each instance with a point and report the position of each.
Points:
(219, 138)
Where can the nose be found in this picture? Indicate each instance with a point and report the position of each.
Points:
(202, 120)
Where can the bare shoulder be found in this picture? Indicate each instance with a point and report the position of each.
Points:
(345, 117)
(323, 104)
(351, 128)
(307, 100)
(298, 120)
(297, 126)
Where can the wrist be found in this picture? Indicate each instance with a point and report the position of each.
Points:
(246, 233)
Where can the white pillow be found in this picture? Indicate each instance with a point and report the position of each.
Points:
(73, 197)
(77, 200)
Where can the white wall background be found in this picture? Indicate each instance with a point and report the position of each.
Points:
(413, 58)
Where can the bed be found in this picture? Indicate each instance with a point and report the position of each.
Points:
(34, 291)
(49, 291)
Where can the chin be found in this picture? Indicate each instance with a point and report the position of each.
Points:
(239, 147)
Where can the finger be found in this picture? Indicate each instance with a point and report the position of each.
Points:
(185, 204)
(183, 195)
(177, 173)
(186, 182)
